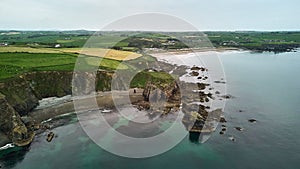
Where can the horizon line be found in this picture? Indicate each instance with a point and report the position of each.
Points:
(96, 30)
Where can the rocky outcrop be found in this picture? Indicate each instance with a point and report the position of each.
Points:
(12, 125)
(158, 92)
(161, 98)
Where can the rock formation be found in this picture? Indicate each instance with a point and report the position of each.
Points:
(20, 95)
(12, 125)
(160, 97)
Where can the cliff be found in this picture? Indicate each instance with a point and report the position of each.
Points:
(12, 125)
(20, 95)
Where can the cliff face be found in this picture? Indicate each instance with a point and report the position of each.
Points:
(12, 125)
(21, 95)
(161, 98)
(24, 92)
(49, 83)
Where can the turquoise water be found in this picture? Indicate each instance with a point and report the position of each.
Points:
(266, 87)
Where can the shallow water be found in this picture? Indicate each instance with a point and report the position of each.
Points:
(266, 87)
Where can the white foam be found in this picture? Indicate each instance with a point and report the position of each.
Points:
(7, 146)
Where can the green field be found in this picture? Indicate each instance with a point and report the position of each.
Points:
(26, 51)
(135, 41)
(12, 64)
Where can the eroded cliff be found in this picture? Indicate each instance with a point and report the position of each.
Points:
(20, 95)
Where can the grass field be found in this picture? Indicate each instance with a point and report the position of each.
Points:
(105, 53)
(25, 51)
(98, 52)
(12, 64)
(12, 49)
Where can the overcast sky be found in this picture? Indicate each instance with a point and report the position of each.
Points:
(204, 14)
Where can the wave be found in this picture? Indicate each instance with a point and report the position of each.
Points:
(7, 146)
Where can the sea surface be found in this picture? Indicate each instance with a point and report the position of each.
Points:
(265, 86)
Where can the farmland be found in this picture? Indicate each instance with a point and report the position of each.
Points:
(26, 51)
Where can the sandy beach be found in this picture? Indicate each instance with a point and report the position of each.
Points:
(104, 100)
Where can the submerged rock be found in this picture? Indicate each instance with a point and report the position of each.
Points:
(222, 82)
(228, 96)
(194, 137)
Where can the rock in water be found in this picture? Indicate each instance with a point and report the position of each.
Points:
(194, 73)
(252, 120)
(228, 96)
(239, 128)
(50, 136)
(223, 120)
(231, 138)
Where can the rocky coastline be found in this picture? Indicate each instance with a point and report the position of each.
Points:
(21, 95)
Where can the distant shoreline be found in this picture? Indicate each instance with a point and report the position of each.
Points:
(192, 50)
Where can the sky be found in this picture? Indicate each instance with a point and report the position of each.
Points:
(215, 15)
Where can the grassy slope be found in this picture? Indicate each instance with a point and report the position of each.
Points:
(13, 64)
(15, 60)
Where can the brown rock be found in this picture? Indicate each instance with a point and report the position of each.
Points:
(223, 120)
(194, 73)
